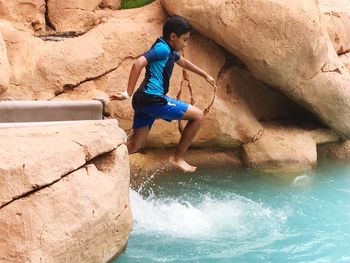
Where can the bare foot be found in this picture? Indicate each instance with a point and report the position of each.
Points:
(181, 164)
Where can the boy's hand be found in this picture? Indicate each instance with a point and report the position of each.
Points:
(210, 79)
(119, 96)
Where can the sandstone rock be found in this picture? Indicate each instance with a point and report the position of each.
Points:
(334, 151)
(265, 102)
(4, 66)
(56, 207)
(244, 97)
(80, 15)
(26, 15)
(293, 52)
(219, 128)
(281, 150)
(323, 136)
(111, 4)
(84, 217)
(74, 15)
(97, 64)
(346, 60)
(229, 121)
(336, 16)
(42, 70)
(338, 29)
(203, 52)
(35, 157)
(334, 6)
(22, 50)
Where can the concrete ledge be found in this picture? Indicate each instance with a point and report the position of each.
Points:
(46, 111)
(9, 125)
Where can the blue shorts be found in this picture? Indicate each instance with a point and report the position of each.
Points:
(168, 109)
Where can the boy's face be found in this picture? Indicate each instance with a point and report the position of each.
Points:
(178, 43)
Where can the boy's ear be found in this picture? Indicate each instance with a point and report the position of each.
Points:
(172, 36)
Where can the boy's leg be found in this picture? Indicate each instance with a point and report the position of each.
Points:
(141, 127)
(138, 139)
(195, 117)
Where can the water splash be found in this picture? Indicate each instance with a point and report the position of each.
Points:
(149, 178)
(235, 216)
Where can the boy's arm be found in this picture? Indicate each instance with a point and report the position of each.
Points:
(134, 75)
(186, 64)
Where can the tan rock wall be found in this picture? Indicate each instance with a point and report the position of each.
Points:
(26, 15)
(41, 70)
(241, 25)
(4, 66)
(58, 202)
(334, 151)
(282, 43)
(346, 60)
(336, 15)
(98, 62)
(40, 17)
(334, 6)
(76, 15)
(68, 146)
(280, 150)
(80, 15)
(337, 24)
(112, 4)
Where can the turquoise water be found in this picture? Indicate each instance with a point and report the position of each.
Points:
(238, 216)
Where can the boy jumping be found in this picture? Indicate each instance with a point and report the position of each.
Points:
(150, 101)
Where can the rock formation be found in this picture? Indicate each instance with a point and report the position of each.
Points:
(25, 15)
(79, 15)
(4, 66)
(64, 193)
(283, 44)
(289, 53)
(280, 67)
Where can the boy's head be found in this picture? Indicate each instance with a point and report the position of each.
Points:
(177, 25)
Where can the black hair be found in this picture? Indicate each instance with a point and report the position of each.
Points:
(176, 24)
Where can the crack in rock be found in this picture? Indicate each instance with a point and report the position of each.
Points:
(61, 36)
(47, 17)
(77, 8)
(72, 86)
(37, 188)
(88, 156)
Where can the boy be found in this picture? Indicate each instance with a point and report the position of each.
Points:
(150, 101)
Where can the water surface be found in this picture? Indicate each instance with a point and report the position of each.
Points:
(239, 216)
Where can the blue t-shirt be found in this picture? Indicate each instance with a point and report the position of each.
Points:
(161, 58)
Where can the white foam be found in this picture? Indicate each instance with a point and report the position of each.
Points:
(235, 216)
(302, 180)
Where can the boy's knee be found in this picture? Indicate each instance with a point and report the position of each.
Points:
(201, 116)
(194, 114)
